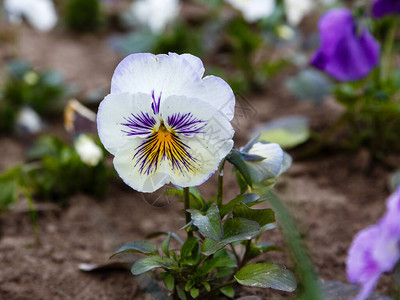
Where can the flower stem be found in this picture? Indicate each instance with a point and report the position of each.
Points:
(186, 200)
(220, 183)
(386, 65)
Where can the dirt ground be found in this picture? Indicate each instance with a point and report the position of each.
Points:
(332, 195)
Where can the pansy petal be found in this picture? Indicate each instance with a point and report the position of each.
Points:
(214, 126)
(271, 166)
(130, 173)
(382, 8)
(207, 161)
(163, 75)
(215, 91)
(118, 109)
(195, 63)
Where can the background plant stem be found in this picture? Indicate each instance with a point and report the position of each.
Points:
(220, 183)
(186, 200)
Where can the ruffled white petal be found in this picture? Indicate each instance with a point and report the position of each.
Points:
(217, 127)
(195, 63)
(110, 117)
(271, 166)
(215, 91)
(127, 169)
(172, 74)
(166, 75)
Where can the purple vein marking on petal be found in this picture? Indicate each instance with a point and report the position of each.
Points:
(139, 124)
(156, 103)
(186, 124)
(152, 151)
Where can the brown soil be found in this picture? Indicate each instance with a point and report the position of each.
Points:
(332, 195)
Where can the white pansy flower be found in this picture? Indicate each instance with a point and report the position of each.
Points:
(275, 162)
(254, 10)
(296, 10)
(164, 123)
(88, 151)
(41, 14)
(156, 14)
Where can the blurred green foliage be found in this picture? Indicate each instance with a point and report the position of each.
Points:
(23, 86)
(83, 15)
(54, 172)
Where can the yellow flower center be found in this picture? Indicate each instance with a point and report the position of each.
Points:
(164, 143)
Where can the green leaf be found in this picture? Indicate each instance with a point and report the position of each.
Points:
(234, 230)
(9, 186)
(267, 276)
(195, 198)
(143, 247)
(189, 285)
(155, 261)
(213, 263)
(181, 293)
(165, 244)
(288, 132)
(394, 180)
(206, 285)
(188, 246)
(261, 216)
(210, 225)
(228, 291)
(194, 292)
(244, 198)
(310, 84)
(169, 281)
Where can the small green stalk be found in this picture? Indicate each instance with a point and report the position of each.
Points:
(386, 65)
(33, 214)
(186, 200)
(220, 183)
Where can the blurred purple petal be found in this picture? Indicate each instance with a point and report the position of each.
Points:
(376, 249)
(343, 53)
(382, 8)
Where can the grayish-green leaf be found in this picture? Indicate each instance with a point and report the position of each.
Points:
(234, 230)
(214, 263)
(169, 281)
(143, 247)
(244, 198)
(148, 263)
(311, 85)
(188, 246)
(228, 291)
(267, 276)
(165, 244)
(394, 180)
(210, 225)
(288, 131)
(261, 216)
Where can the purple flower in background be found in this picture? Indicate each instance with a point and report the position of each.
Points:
(343, 53)
(381, 8)
(376, 249)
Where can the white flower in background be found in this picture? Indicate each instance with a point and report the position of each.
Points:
(28, 120)
(164, 123)
(88, 151)
(254, 10)
(156, 14)
(296, 10)
(41, 14)
(275, 162)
